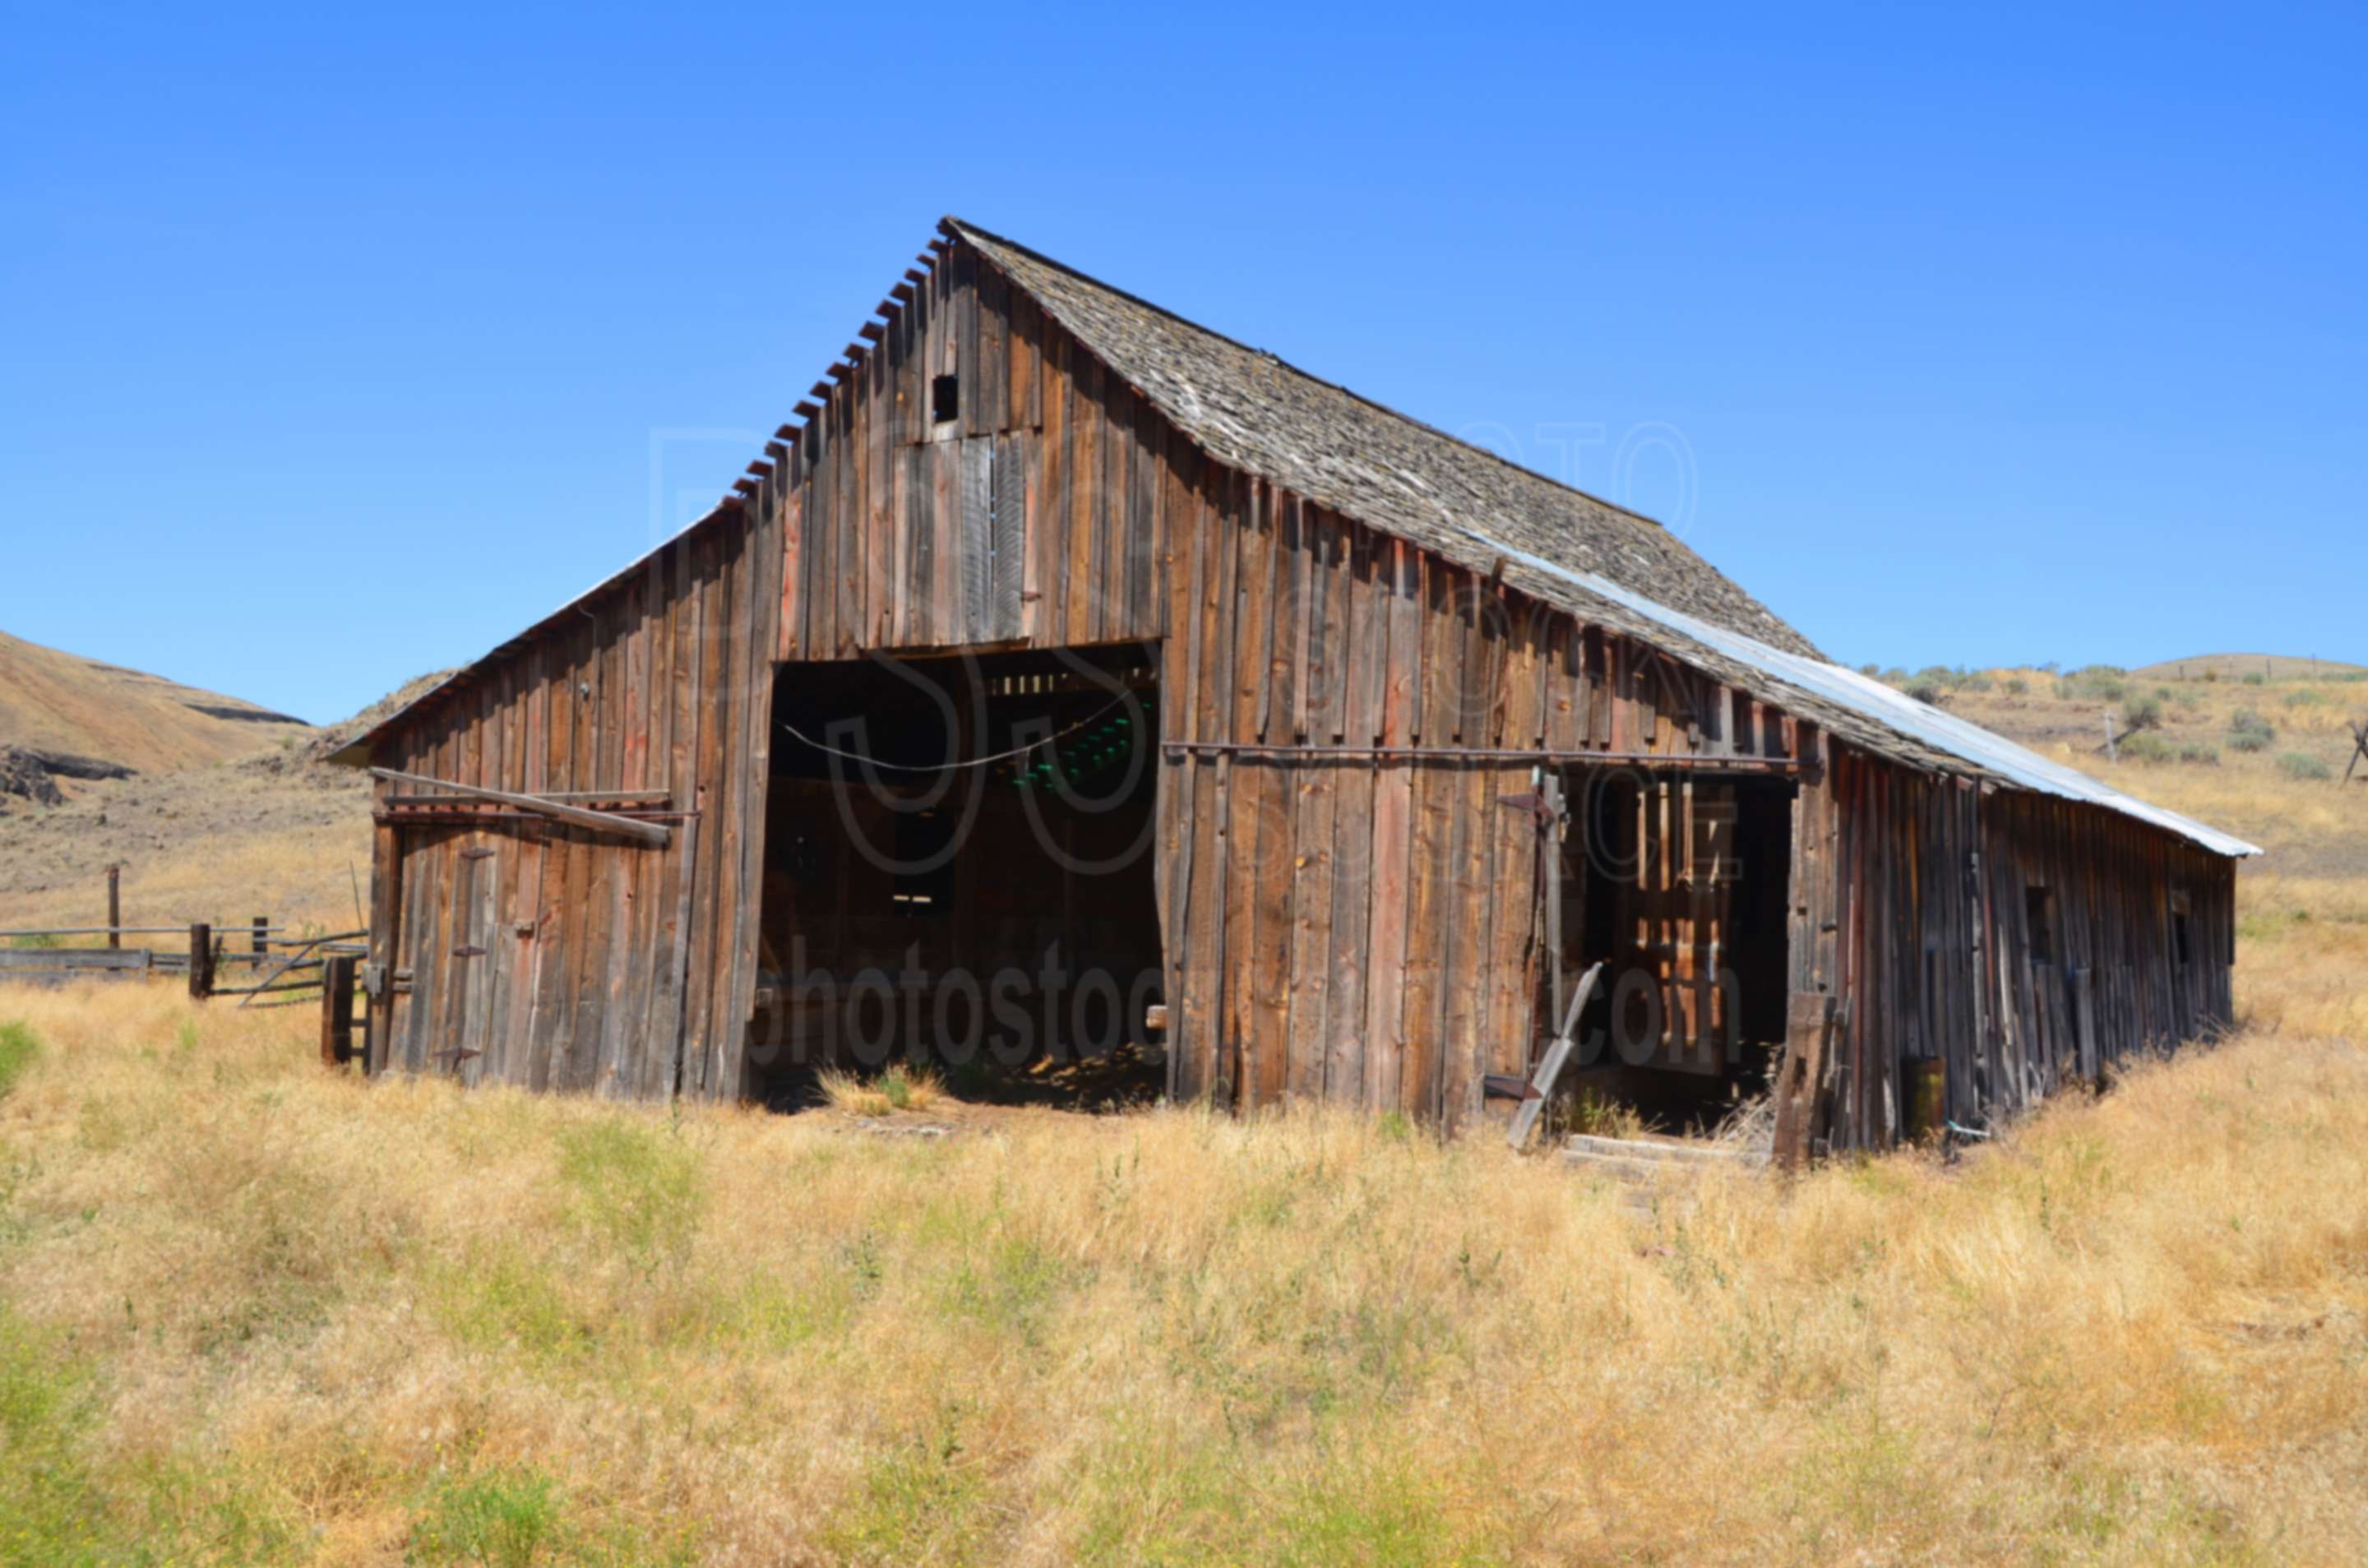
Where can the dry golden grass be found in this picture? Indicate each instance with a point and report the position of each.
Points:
(899, 1088)
(251, 1313)
(260, 1314)
(303, 876)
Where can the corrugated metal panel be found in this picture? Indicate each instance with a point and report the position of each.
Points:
(1891, 707)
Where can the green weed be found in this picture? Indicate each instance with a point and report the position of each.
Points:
(19, 1048)
(635, 1188)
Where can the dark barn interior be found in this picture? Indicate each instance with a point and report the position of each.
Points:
(958, 875)
(1679, 887)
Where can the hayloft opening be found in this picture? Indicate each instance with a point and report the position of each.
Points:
(959, 876)
(945, 399)
(1678, 886)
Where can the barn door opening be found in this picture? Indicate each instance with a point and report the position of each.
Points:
(1677, 883)
(959, 876)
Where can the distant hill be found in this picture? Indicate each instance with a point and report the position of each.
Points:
(2235, 666)
(271, 830)
(78, 719)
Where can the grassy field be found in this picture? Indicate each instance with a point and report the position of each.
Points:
(251, 1313)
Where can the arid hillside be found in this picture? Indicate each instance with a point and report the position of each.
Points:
(2237, 666)
(224, 833)
(62, 705)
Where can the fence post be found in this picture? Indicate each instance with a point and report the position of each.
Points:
(201, 962)
(115, 907)
(260, 943)
(336, 1009)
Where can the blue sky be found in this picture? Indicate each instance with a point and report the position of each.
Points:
(337, 347)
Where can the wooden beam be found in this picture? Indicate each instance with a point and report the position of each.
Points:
(579, 816)
(642, 800)
(1525, 1117)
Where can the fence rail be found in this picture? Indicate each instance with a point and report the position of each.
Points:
(284, 963)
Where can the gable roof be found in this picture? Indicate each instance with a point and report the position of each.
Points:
(1604, 564)
(1256, 414)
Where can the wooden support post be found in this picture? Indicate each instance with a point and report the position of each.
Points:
(259, 944)
(201, 962)
(337, 1010)
(1549, 791)
(115, 907)
(1809, 1020)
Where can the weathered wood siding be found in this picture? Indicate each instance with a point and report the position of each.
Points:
(1365, 928)
(1031, 518)
(554, 956)
(1931, 889)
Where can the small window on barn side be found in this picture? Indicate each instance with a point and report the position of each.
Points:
(945, 399)
(2039, 923)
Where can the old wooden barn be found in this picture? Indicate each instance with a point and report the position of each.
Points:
(1068, 675)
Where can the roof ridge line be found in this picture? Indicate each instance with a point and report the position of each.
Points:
(952, 224)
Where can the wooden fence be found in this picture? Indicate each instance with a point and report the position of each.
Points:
(260, 963)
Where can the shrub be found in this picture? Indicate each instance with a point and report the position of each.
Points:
(1927, 691)
(2152, 745)
(2145, 713)
(2248, 731)
(2302, 764)
(1975, 681)
(2017, 687)
(897, 1089)
(2305, 699)
(2254, 678)
(2095, 683)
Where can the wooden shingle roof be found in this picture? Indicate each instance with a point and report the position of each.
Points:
(1256, 414)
